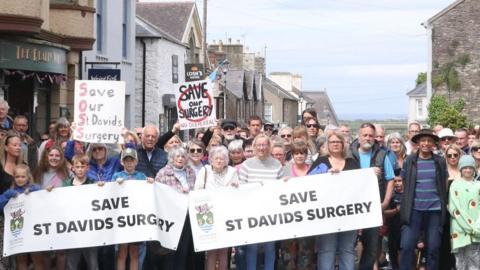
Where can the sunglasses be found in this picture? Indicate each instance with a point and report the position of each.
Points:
(452, 155)
(268, 129)
(97, 149)
(195, 150)
(311, 125)
(286, 135)
(444, 139)
(228, 128)
(475, 149)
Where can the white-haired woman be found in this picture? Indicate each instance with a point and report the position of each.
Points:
(217, 174)
(236, 153)
(178, 175)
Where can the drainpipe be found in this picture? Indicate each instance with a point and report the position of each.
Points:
(144, 63)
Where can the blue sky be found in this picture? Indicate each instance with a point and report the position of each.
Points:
(361, 52)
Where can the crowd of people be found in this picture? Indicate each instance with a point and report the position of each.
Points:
(427, 186)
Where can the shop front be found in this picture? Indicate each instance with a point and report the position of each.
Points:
(31, 73)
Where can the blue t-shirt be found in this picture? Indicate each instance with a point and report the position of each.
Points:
(365, 158)
(136, 175)
(426, 193)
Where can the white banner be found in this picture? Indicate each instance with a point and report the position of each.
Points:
(301, 207)
(195, 104)
(89, 215)
(99, 111)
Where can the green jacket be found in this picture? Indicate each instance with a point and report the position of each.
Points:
(463, 206)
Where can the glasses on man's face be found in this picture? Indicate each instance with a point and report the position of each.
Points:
(311, 125)
(268, 129)
(455, 155)
(195, 150)
(475, 149)
(286, 136)
(445, 139)
(228, 128)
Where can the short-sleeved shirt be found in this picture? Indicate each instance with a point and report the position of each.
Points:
(426, 193)
(365, 158)
(136, 175)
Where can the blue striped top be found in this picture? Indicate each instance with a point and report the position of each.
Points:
(426, 193)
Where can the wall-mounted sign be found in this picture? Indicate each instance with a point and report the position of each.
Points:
(101, 74)
(194, 72)
(31, 56)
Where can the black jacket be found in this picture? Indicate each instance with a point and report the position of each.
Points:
(409, 182)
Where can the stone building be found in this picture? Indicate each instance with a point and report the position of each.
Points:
(41, 45)
(281, 107)
(169, 36)
(323, 106)
(453, 42)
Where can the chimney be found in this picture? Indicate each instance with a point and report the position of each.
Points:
(229, 40)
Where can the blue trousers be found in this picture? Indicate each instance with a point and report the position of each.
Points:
(251, 251)
(329, 245)
(430, 223)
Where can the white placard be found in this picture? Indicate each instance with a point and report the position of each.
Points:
(90, 215)
(195, 104)
(99, 111)
(301, 207)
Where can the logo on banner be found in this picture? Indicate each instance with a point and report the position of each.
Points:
(16, 223)
(204, 217)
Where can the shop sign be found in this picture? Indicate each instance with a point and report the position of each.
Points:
(104, 74)
(23, 55)
(194, 72)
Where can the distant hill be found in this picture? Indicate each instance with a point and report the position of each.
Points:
(371, 116)
(390, 125)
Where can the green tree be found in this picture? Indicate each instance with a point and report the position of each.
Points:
(440, 111)
(421, 78)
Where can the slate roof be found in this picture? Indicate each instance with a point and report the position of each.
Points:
(322, 101)
(276, 89)
(172, 17)
(419, 91)
(235, 79)
(143, 28)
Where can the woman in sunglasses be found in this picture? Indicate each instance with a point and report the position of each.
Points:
(475, 152)
(195, 150)
(102, 167)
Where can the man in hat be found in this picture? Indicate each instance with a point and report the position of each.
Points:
(447, 138)
(424, 200)
(268, 129)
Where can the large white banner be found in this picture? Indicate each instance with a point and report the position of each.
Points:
(301, 207)
(99, 111)
(89, 215)
(195, 104)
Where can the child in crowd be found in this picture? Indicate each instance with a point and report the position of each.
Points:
(129, 162)
(393, 220)
(463, 206)
(80, 166)
(23, 183)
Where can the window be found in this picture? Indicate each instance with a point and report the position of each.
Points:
(419, 105)
(175, 68)
(126, 9)
(268, 112)
(99, 25)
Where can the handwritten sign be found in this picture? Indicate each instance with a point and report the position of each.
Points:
(99, 111)
(195, 105)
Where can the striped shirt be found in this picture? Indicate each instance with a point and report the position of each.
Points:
(426, 193)
(255, 170)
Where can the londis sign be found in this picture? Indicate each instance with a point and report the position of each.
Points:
(194, 72)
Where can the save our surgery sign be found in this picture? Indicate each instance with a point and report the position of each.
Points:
(195, 104)
(300, 207)
(90, 215)
(99, 111)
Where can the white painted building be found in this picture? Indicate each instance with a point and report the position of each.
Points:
(418, 104)
(159, 67)
(114, 48)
